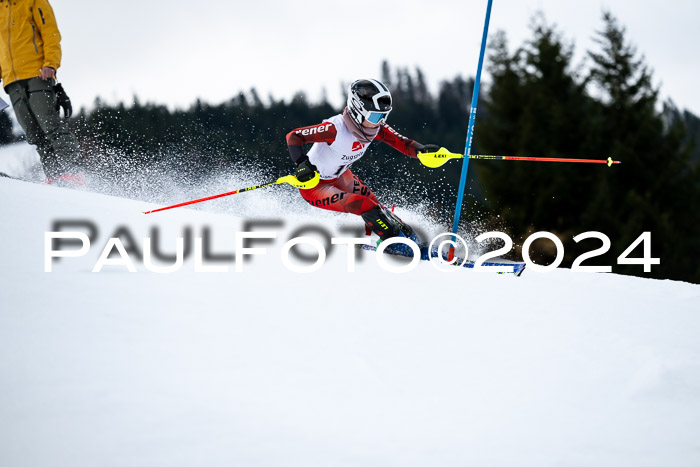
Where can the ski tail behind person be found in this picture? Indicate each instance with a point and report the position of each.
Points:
(342, 140)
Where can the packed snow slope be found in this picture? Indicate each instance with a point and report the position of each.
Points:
(270, 367)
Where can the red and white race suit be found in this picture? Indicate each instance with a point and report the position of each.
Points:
(334, 150)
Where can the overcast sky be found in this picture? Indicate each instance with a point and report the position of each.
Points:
(173, 52)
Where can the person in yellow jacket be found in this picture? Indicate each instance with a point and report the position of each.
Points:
(30, 54)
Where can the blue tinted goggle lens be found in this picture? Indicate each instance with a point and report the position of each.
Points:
(377, 117)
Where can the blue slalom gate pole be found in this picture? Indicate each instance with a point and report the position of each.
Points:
(470, 132)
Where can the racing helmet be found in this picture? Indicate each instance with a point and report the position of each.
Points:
(369, 99)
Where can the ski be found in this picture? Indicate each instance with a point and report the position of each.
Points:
(518, 268)
(4, 175)
(20, 179)
(65, 181)
(12, 177)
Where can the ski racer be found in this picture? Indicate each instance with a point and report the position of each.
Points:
(340, 141)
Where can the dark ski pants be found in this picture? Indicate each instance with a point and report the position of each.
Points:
(34, 102)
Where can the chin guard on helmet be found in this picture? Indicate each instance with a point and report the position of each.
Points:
(369, 99)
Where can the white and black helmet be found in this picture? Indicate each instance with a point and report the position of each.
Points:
(369, 99)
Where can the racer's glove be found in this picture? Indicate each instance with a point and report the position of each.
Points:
(305, 171)
(63, 101)
(427, 148)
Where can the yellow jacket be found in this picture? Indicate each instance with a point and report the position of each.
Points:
(29, 39)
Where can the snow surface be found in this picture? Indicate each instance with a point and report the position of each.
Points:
(268, 367)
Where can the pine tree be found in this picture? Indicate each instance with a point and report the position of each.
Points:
(6, 135)
(536, 106)
(658, 184)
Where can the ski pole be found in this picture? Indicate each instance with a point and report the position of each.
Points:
(609, 161)
(436, 159)
(290, 179)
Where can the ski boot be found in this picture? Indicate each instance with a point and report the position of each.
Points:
(386, 224)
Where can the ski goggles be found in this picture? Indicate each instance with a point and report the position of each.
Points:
(376, 117)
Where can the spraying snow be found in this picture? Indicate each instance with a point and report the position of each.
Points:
(269, 367)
